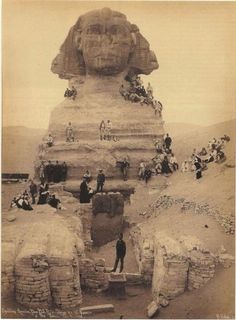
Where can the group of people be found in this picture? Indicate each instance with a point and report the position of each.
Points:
(21, 201)
(70, 94)
(86, 192)
(41, 193)
(164, 161)
(136, 92)
(53, 172)
(212, 153)
(105, 129)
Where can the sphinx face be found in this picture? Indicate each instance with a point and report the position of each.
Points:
(106, 44)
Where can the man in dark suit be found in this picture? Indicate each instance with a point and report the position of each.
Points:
(120, 253)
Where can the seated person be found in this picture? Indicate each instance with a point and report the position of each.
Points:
(158, 168)
(73, 93)
(147, 174)
(19, 202)
(173, 162)
(220, 156)
(139, 81)
(50, 140)
(13, 203)
(225, 138)
(54, 202)
(25, 204)
(165, 166)
(90, 193)
(143, 91)
(211, 158)
(67, 93)
(133, 97)
(203, 152)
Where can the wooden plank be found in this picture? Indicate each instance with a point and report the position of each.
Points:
(98, 308)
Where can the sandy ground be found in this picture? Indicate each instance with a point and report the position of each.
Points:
(216, 299)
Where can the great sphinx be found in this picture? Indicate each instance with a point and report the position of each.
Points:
(100, 51)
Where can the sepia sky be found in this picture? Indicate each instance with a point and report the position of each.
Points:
(195, 45)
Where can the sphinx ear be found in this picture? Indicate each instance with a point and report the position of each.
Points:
(133, 42)
(77, 40)
(142, 59)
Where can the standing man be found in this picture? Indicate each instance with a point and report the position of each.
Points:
(168, 141)
(70, 133)
(120, 253)
(108, 129)
(102, 129)
(64, 171)
(124, 168)
(33, 190)
(100, 180)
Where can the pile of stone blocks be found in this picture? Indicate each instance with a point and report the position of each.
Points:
(170, 268)
(32, 283)
(107, 221)
(201, 262)
(44, 268)
(92, 274)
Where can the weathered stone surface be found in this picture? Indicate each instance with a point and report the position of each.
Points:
(112, 203)
(104, 42)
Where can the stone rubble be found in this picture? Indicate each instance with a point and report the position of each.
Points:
(227, 221)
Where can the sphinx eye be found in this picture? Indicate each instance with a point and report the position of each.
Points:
(94, 29)
(115, 29)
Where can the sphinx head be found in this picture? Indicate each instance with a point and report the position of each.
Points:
(104, 42)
